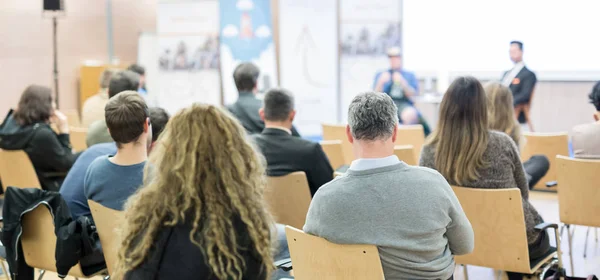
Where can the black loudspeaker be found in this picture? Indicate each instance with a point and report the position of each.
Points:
(54, 5)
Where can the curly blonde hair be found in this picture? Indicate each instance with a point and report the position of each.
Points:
(202, 170)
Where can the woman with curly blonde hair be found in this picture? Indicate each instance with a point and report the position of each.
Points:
(200, 214)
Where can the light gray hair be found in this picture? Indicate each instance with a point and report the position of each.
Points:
(372, 116)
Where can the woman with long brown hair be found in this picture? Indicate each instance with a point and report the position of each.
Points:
(200, 214)
(468, 154)
(501, 117)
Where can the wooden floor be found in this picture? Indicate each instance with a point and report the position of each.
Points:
(547, 206)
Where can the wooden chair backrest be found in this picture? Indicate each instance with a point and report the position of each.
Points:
(338, 132)
(16, 170)
(578, 191)
(39, 241)
(335, 152)
(499, 225)
(411, 135)
(78, 138)
(288, 198)
(107, 221)
(316, 258)
(73, 118)
(549, 145)
(406, 153)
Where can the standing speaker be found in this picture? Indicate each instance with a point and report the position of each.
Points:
(54, 5)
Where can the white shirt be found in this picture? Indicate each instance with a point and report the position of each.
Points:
(510, 76)
(372, 163)
(281, 128)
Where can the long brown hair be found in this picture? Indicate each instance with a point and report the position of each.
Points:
(501, 114)
(202, 170)
(35, 105)
(461, 136)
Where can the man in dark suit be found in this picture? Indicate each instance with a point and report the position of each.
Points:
(284, 153)
(520, 79)
(245, 109)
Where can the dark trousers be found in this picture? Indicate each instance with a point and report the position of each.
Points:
(537, 250)
(535, 168)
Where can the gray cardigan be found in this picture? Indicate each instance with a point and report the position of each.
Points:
(409, 212)
(505, 170)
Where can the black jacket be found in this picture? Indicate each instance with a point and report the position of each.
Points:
(286, 154)
(70, 244)
(50, 154)
(174, 256)
(245, 109)
(522, 86)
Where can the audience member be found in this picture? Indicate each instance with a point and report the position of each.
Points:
(93, 107)
(72, 189)
(245, 109)
(28, 128)
(468, 154)
(110, 180)
(586, 137)
(201, 215)
(409, 212)
(140, 70)
(284, 153)
(121, 81)
(501, 117)
(401, 85)
(520, 79)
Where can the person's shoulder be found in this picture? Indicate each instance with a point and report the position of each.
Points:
(585, 128)
(409, 73)
(426, 173)
(98, 163)
(97, 126)
(499, 137)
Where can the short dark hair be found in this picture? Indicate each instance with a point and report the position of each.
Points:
(125, 116)
(595, 96)
(158, 118)
(34, 106)
(137, 69)
(122, 81)
(518, 43)
(245, 76)
(278, 104)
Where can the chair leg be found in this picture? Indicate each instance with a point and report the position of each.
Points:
(587, 234)
(596, 233)
(465, 272)
(42, 273)
(499, 275)
(571, 249)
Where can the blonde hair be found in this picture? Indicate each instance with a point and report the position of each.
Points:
(461, 136)
(501, 114)
(202, 171)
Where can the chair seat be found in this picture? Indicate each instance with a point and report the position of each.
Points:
(537, 263)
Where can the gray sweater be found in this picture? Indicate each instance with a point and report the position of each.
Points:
(409, 212)
(505, 170)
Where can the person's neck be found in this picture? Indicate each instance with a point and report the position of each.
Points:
(130, 154)
(373, 149)
(247, 92)
(520, 61)
(275, 124)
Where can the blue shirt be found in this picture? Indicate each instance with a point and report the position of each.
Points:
(111, 184)
(72, 188)
(410, 78)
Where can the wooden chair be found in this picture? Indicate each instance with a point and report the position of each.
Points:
(411, 135)
(107, 221)
(500, 236)
(335, 153)
(288, 198)
(316, 258)
(73, 118)
(525, 108)
(549, 145)
(16, 170)
(578, 194)
(39, 242)
(406, 153)
(338, 132)
(78, 138)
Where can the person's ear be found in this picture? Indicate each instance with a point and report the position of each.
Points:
(292, 115)
(349, 134)
(597, 116)
(395, 134)
(261, 113)
(147, 125)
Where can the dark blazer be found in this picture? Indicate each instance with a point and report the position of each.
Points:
(286, 154)
(245, 109)
(522, 86)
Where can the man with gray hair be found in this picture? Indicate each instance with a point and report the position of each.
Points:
(410, 213)
(285, 153)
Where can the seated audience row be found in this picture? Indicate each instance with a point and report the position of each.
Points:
(586, 137)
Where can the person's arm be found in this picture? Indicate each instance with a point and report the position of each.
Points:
(408, 89)
(461, 238)
(149, 268)
(55, 150)
(380, 80)
(523, 95)
(320, 172)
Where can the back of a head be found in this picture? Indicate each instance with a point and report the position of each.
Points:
(140, 70)
(461, 136)
(106, 76)
(595, 96)
(278, 103)
(158, 118)
(372, 116)
(34, 106)
(126, 114)
(245, 76)
(202, 166)
(501, 115)
(122, 81)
